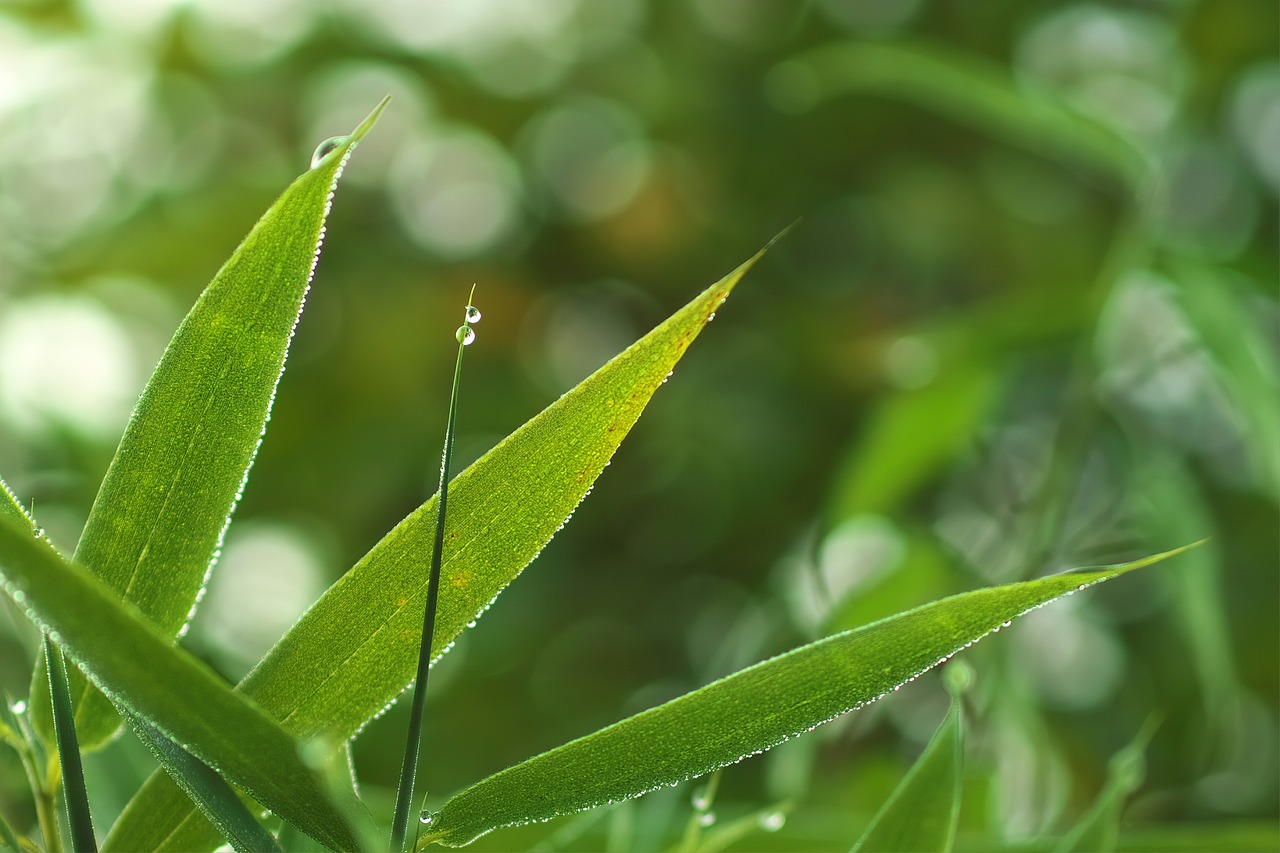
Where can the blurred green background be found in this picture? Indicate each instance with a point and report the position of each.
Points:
(1029, 321)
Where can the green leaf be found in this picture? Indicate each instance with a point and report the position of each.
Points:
(748, 712)
(154, 531)
(134, 663)
(216, 799)
(1218, 306)
(923, 811)
(971, 91)
(74, 794)
(354, 651)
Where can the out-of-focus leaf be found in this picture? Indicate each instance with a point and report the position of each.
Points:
(922, 572)
(976, 93)
(1216, 308)
(8, 838)
(157, 523)
(136, 664)
(748, 712)
(908, 437)
(1172, 505)
(923, 811)
(1099, 828)
(355, 650)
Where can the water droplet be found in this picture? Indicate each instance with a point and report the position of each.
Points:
(18, 707)
(427, 817)
(324, 149)
(706, 818)
(465, 335)
(701, 801)
(773, 821)
(473, 314)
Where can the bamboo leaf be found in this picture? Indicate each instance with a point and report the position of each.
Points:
(748, 712)
(354, 651)
(133, 662)
(209, 791)
(157, 523)
(923, 811)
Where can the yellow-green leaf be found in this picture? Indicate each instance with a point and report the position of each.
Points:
(357, 647)
(157, 523)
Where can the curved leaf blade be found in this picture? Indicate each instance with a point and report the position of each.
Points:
(133, 662)
(157, 523)
(748, 712)
(356, 649)
(923, 811)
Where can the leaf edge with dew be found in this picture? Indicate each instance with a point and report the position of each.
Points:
(601, 767)
(126, 656)
(365, 683)
(156, 526)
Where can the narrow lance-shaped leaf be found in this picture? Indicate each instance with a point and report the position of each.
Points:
(923, 810)
(748, 712)
(156, 526)
(138, 667)
(355, 650)
(216, 799)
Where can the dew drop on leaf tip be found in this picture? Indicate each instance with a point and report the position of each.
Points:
(426, 817)
(18, 707)
(324, 149)
(773, 821)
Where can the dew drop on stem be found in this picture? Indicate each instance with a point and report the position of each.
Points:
(325, 148)
(473, 314)
(426, 817)
(466, 335)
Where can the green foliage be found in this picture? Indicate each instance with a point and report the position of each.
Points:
(356, 648)
(158, 521)
(924, 809)
(1027, 324)
(748, 712)
(134, 663)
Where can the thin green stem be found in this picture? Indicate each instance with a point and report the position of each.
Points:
(404, 794)
(64, 726)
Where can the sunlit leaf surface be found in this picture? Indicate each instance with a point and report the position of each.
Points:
(354, 652)
(156, 526)
(135, 664)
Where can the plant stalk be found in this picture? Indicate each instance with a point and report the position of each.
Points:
(404, 793)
